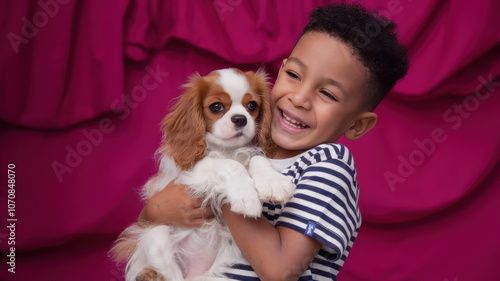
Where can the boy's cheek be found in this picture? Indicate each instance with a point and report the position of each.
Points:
(274, 96)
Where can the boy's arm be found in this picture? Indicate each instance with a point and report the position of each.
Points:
(275, 253)
(173, 206)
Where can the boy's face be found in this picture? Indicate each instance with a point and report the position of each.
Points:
(317, 95)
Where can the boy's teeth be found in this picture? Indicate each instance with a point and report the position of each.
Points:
(292, 122)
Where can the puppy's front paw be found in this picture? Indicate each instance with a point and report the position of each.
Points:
(274, 187)
(245, 202)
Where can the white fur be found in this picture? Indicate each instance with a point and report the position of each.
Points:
(233, 83)
(232, 171)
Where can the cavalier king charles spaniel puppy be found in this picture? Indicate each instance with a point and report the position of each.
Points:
(215, 141)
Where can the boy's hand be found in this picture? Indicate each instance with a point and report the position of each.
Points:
(173, 206)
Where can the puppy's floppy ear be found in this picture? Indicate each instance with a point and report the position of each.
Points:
(184, 127)
(260, 86)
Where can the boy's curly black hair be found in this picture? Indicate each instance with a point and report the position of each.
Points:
(373, 40)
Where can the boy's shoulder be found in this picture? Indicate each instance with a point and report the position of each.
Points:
(331, 151)
(330, 160)
(327, 152)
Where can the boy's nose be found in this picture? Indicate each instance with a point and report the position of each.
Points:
(301, 97)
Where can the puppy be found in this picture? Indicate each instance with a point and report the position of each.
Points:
(215, 141)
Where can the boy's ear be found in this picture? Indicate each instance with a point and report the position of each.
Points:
(364, 123)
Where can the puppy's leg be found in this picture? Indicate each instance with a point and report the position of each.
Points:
(270, 184)
(204, 178)
(160, 249)
(240, 190)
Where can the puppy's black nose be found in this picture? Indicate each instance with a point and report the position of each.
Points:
(239, 121)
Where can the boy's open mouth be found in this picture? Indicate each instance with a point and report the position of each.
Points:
(292, 122)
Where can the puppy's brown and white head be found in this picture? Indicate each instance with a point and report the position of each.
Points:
(227, 109)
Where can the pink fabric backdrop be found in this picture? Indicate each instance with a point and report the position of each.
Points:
(85, 84)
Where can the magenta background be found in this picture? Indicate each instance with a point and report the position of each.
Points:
(439, 222)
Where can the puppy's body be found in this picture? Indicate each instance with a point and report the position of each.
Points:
(215, 139)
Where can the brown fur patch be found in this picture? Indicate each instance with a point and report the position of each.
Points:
(259, 84)
(149, 275)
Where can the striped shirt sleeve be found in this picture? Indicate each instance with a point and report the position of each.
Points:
(325, 204)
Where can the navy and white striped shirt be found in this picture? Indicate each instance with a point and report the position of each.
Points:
(324, 206)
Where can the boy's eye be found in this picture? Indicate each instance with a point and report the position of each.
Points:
(216, 107)
(252, 106)
(292, 74)
(328, 94)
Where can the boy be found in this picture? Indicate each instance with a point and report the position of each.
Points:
(327, 88)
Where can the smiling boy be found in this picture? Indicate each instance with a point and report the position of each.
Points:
(327, 88)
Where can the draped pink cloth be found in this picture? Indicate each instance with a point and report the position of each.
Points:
(84, 85)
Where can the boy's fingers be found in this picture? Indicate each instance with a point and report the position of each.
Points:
(198, 217)
(202, 213)
(207, 213)
(197, 222)
(196, 203)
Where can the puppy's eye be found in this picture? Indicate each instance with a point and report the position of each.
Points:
(216, 107)
(252, 106)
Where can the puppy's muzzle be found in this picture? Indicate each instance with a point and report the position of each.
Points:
(239, 121)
